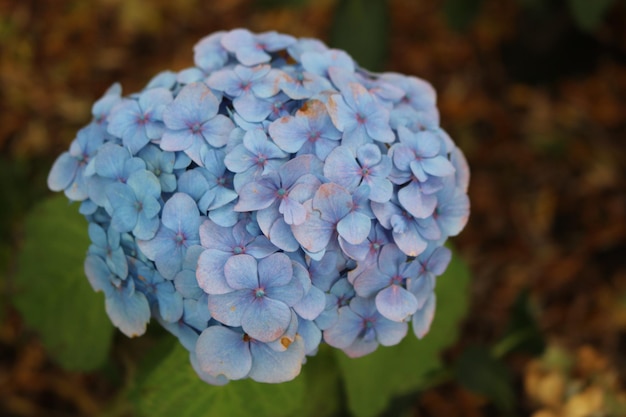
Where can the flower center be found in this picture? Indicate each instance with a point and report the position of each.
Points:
(259, 292)
(195, 128)
(238, 250)
(179, 238)
(397, 280)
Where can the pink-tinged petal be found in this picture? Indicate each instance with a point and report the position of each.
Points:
(266, 319)
(241, 272)
(396, 303)
(222, 351)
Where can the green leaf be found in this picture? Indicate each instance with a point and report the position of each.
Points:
(168, 386)
(373, 380)
(523, 333)
(461, 13)
(479, 371)
(589, 13)
(52, 292)
(323, 385)
(361, 27)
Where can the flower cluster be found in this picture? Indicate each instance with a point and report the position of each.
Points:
(273, 197)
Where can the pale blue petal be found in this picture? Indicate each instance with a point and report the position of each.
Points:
(354, 227)
(63, 172)
(241, 272)
(423, 318)
(395, 303)
(210, 272)
(275, 270)
(311, 305)
(129, 311)
(230, 308)
(345, 330)
(266, 319)
(390, 333)
(274, 367)
(222, 351)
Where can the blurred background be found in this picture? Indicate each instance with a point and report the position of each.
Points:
(533, 91)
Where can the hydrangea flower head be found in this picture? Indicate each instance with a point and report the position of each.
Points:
(272, 197)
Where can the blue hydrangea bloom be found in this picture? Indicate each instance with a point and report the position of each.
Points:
(128, 309)
(309, 131)
(191, 120)
(136, 204)
(178, 230)
(137, 122)
(273, 197)
(68, 172)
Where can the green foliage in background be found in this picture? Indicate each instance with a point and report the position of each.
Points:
(52, 292)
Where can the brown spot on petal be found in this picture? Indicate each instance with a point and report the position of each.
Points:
(312, 109)
(285, 341)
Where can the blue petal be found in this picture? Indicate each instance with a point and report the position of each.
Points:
(390, 333)
(275, 270)
(241, 272)
(271, 366)
(229, 308)
(222, 351)
(396, 303)
(344, 332)
(311, 305)
(63, 172)
(129, 310)
(340, 167)
(266, 319)
(354, 227)
(424, 317)
(170, 302)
